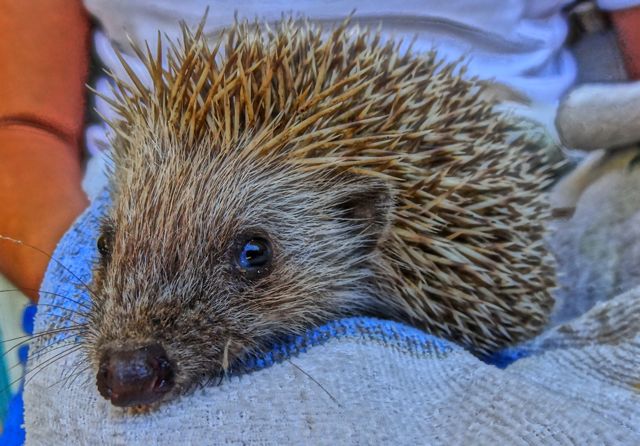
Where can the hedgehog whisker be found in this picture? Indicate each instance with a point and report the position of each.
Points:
(50, 257)
(82, 359)
(31, 374)
(41, 349)
(17, 290)
(50, 332)
(51, 347)
(66, 309)
(333, 398)
(39, 368)
(54, 347)
(77, 373)
(69, 339)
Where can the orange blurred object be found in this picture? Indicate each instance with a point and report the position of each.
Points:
(44, 52)
(627, 24)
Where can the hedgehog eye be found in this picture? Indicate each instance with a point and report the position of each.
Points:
(253, 256)
(104, 244)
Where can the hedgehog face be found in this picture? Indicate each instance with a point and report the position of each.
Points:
(201, 266)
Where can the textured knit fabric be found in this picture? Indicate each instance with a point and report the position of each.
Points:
(598, 248)
(354, 381)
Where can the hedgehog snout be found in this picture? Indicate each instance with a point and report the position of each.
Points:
(139, 376)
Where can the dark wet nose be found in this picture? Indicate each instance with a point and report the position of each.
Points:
(135, 377)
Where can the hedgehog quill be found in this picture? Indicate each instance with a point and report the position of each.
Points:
(300, 176)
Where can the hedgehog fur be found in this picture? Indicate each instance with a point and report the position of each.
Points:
(386, 185)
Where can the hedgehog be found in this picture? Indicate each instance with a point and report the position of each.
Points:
(291, 175)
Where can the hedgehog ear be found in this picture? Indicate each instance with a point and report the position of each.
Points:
(368, 209)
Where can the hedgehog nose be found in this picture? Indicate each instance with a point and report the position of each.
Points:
(135, 377)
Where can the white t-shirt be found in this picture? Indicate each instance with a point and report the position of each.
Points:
(517, 42)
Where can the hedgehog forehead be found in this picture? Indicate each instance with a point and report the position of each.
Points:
(217, 198)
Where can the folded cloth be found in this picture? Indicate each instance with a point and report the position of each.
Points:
(353, 381)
